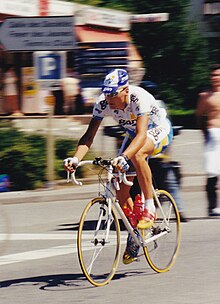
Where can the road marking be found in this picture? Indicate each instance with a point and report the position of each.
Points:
(43, 236)
(47, 252)
(38, 236)
(37, 254)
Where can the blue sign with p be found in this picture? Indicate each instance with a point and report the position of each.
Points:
(49, 67)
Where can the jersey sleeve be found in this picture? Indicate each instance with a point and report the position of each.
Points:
(144, 103)
(141, 102)
(99, 108)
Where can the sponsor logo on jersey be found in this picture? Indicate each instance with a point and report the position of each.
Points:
(154, 111)
(134, 98)
(125, 122)
(155, 132)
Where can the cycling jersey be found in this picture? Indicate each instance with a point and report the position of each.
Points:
(140, 102)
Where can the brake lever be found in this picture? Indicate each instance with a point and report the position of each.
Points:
(71, 177)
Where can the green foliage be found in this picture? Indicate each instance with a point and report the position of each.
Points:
(23, 158)
(9, 137)
(64, 148)
(20, 163)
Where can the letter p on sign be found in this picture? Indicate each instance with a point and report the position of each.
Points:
(49, 65)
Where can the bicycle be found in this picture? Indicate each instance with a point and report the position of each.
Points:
(99, 232)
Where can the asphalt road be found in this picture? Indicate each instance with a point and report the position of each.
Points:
(40, 261)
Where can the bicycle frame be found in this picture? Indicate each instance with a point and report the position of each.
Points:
(112, 184)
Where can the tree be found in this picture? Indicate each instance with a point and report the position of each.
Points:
(174, 52)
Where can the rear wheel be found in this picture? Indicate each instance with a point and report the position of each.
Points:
(98, 242)
(162, 251)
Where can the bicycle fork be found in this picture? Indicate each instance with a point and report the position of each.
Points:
(104, 240)
(102, 212)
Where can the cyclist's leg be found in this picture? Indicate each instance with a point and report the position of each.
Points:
(126, 201)
(157, 140)
(142, 168)
(123, 195)
(145, 180)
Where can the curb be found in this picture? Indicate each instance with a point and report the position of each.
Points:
(63, 191)
(56, 193)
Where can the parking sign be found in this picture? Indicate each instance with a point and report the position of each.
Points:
(50, 67)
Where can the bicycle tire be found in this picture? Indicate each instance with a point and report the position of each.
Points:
(162, 253)
(98, 259)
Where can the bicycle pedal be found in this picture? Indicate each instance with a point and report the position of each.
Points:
(129, 260)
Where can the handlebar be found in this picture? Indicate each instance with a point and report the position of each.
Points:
(99, 162)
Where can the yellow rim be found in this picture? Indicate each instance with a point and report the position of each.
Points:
(79, 247)
(175, 253)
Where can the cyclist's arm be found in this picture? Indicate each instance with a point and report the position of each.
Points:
(86, 140)
(140, 138)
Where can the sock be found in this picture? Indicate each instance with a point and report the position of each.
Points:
(149, 204)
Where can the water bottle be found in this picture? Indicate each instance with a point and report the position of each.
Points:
(138, 207)
(130, 215)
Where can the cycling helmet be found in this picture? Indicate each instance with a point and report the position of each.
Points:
(114, 79)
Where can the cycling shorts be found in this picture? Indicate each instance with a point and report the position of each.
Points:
(160, 135)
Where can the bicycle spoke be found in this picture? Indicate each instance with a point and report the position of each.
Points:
(163, 239)
(98, 242)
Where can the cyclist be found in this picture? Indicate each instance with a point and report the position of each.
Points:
(148, 132)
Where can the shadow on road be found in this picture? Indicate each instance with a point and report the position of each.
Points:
(61, 282)
(88, 225)
(91, 224)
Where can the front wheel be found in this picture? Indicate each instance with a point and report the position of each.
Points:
(98, 242)
(163, 239)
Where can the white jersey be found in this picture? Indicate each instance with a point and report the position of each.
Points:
(140, 102)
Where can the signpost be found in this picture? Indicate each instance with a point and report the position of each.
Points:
(50, 67)
(38, 33)
(50, 100)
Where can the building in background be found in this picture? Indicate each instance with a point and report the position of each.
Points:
(207, 14)
(103, 43)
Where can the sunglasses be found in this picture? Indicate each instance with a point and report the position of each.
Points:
(114, 94)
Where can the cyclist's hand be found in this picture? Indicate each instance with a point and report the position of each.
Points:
(71, 163)
(120, 163)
